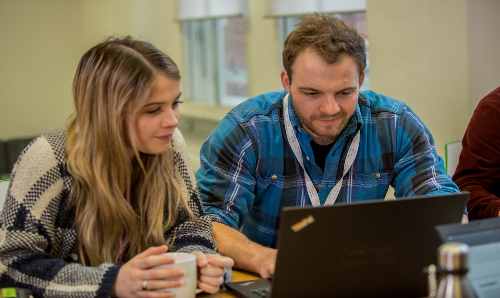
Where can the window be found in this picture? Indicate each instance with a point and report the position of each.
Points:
(215, 55)
(233, 76)
(285, 26)
(199, 60)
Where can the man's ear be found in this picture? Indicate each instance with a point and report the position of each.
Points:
(285, 80)
(361, 79)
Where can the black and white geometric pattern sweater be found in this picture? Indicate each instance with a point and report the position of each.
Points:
(38, 244)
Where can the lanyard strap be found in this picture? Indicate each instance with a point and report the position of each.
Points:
(294, 144)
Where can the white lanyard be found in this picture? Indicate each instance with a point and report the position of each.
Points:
(294, 144)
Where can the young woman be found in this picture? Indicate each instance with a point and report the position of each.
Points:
(91, 211)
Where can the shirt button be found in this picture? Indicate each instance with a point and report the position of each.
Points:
(307, 157)
(274, 177)
(377, 175)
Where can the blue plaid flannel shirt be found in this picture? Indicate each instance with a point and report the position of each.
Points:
(248, 172)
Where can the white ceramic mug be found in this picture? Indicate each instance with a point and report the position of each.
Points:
(187, 263)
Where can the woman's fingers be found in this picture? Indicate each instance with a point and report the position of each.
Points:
(212, 271)
(152, 261)
(208, 287)
(155, 250)
(215, 281)
(149, 262)
(152, 294)
(163, 273)
(201, 258)
(154, 285)
(220, 261)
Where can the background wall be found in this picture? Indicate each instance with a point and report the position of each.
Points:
(438, 56)
(40, 48)
(484, 44)
(264, 62)
(42, 42)
(418, 52)
(152, 20)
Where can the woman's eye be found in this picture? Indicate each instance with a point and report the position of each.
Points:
(154, 111)
(176, 103)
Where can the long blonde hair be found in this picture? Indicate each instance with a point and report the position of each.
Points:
(124, 200)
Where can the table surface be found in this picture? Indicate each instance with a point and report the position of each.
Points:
(237, 276)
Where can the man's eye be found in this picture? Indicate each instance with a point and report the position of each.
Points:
(310, 93)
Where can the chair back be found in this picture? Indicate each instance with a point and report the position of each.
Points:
(452, 155)
(4, 185)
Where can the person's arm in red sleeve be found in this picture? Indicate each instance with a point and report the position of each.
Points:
(478, 171)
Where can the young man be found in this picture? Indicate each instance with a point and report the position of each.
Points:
(478, 170)
(317, 143)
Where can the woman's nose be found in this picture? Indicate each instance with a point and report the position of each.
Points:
(170, 119)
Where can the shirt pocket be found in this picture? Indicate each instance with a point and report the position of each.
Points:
(276, 186)
(372, 185)
(279, 181)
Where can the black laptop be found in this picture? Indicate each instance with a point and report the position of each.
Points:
(367, 249)
(483, 239)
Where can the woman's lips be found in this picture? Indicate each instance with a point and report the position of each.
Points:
(166, 137)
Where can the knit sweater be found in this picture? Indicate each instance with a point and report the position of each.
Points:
(478, 170)
(38, 240)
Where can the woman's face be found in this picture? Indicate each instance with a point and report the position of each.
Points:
(153, 125)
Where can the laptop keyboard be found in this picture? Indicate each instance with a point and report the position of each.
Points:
(261, 292)
(251, 289)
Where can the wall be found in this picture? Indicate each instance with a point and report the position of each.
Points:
(264, 60)
(43, 41)
(438, 56)
(419, 53)
(484, 45)
(40, 48)
(152, 20)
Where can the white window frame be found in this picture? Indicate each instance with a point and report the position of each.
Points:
(206, 75)
(199, 62)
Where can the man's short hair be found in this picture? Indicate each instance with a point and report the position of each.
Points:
(329, 37)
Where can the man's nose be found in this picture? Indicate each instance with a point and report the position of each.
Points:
(329, 105)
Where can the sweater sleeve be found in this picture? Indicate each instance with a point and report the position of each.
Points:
(36, 240)
(478, 170)
(191, 233)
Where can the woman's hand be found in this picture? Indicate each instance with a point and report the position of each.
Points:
(140, 276)
(211, 271)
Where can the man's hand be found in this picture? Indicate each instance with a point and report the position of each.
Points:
(264, 261)
(246, 254)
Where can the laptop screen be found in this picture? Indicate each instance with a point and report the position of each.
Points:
(363, 248)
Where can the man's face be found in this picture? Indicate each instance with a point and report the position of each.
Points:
(324, 95)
